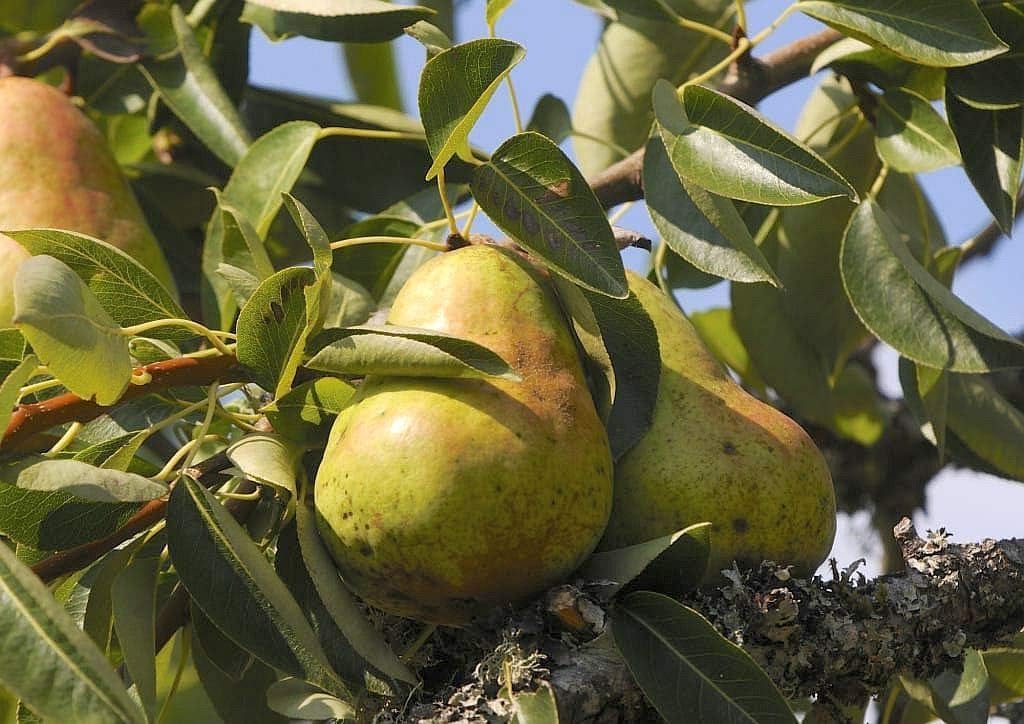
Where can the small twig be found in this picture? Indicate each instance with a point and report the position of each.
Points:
(984, 242)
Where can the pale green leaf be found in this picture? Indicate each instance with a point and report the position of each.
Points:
(941, 32)
(47, 661)
(134, 611)
(493, 11)
(987, 423)
(10, 389)
(535, 707)
(297, 699)
(266, 458)
(455, 87)
(533, 192)
(373, 74)
(911, 135)
(347, 21)
(84, 481)
(718, 333)
(430, 37)
(305, 413)
(70, 331)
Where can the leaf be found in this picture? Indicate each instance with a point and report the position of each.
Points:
(858, 61)
(70, 332)
(404, 351)
(88, 482)
(859, 413)
(127, 290)
(191, 89)
(906, 307)
(1006, 673)
(493, 11)
(267, 459)
(345, 21)
(272, 328)
(535, 707)
(256, 197)
(961, 697)
(999, 82)
(987, 423)
(233, 583)
(373, 265)
(944, 32)
(341, 604)
(535, 194)
(687, 669)
(677, 561)
(46, 660)
(306, 412)
(718, 333)
(612, 112)
(593, 351)
(10, 388)
(702, 228)
(933, 391)
(296, 699)
(234, 700)
(726, 147)
(242, 247)
(912, 136)
(992, 146)
(222, 652)
(455, 87)
(134, 607)
(551, 118)
(372, 73)
(632, 344)
(429, 36)
(351, 304)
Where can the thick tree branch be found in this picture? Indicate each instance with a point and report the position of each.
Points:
(840, 640)
(750, 80)
(30, 419)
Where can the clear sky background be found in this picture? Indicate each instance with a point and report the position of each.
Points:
(559, 36)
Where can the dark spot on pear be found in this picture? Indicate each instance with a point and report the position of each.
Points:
(740, 525)
(728, 448)
(278, 311)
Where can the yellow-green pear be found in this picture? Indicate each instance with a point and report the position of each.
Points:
(715, 453)
(442, 498)
(56, 171)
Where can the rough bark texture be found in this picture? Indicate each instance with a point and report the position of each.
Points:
(840, 640)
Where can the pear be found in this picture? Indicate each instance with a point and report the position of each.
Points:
(442, 498)
(56, 171)
(715, 453)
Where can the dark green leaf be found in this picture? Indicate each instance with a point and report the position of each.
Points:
(943, 32)
(346, 21)
(70, 331)
(699, 226)
(47, 661)
(191, 89)
(404, 351)
(594, 351)
(675, 562)
(537, 196)
(305, 413)
(906, 307)
(992, 146)
(127, 290)
(234, 700)
(221, 651)
(999, 82)
(687, 669)
(455, 87)
(551, 118)
(134, 611)
(236, 587)
(912, 136)
(858, 61)
(725, 146)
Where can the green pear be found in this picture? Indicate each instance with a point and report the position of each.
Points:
(715, 453)
(442, 498)
(56, 171)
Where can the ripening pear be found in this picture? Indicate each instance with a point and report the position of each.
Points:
(442, 498)
(57, 172)
(715, 453)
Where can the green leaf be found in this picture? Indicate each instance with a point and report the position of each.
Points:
(912, 136)
(933, 391)
(305, 413)
(987, 423)
(346, 21)
(134, 607)
(404, 351)
(959, 697)
(455, 87)
(297, 699)
(859, 413)
(373, 265)
(10, 389)
(593, 350)
(241, 246)
(992, 146)
(222, 652)
(718, 332)
(70, 331)
(47, 661)
(687, 669)
(88, 482)
(341, 604)
(858, 61)
(236, 587)
(534, 707)
(999, 82)
(725, 146)
(255, 195)
(351, 304)
(127, 290)
(267, 459)
(612, 110)
(535, 194)
(272, 328)
(430, 37)
(551, 118)
(945, 33)
(906, 307)
(676, 562)
(234, 699)
(699, 226)
(493, 11)
(191, 89)
(1006, 673)
(373, 74)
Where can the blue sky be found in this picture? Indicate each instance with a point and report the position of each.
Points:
(559, 36)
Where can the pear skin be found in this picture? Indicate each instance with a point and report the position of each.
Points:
(715, 453)
(57, 172)
(442, 498)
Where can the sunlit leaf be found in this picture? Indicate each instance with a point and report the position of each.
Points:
(672, 564)
(347, 21)
(999, 82)
(912, 136)
(297, 699)
(305, 413)
(266, 458)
